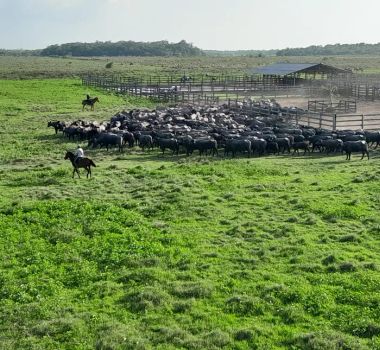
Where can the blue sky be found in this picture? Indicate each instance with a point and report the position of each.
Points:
(208, 24)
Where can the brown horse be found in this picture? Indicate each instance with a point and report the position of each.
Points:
(89, 102)
(80, 163)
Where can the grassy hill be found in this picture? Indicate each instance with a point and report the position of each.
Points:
(178, 253)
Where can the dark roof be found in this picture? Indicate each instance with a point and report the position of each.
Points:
(290, 68)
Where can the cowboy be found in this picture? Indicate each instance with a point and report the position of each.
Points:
(79, 153)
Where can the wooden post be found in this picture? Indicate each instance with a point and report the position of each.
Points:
(362, 121)
(334, 122)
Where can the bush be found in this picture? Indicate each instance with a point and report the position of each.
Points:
(192, 290)
(349, 238)
(325, 341)
(217, 339)
(245, 306)
(347, 267)
(115, 336)
(290, 314)
(330, 259)
(243, 334)
(145, 299)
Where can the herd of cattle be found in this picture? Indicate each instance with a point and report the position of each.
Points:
(210, 129)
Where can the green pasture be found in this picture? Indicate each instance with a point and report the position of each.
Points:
(68, 67)
(167, 252)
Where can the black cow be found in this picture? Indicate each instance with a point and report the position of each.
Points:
(304, 145)
(57, 125)
(172, 144)
(283, 144)
(234, 146)
(128, 137)
(373, 137)
(203, 145)
(272, 147)
(107, 140)
(355, 146)
(258, 145)
(146, 141)
(332, 145)
(71, 132)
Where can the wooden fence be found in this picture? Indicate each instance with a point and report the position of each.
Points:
(322, 106)
(226, 86)
(312, 119)
(177, 89)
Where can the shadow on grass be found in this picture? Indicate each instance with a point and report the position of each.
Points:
(59, 139)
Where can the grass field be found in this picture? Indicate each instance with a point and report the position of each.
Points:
(178, 253)
(48, 67)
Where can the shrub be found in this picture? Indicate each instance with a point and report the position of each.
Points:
(216, 338)
(145, 299)
(290, 314)
(61, 328)
(349, 238)
(330, 259)
(347, 267)
(114, 336)
(243, 334)
(325, 341)
(245, 305)
(182, 306)
(192, 290)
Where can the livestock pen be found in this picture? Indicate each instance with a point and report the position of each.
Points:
(215, 90)
(182, 89)
(298, 116)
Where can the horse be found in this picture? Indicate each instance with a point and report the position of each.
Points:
(89, 102)
(80, 163)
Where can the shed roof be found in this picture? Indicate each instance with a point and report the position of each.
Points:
(290, 68)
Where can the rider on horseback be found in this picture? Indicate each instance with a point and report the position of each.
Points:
(79, 153)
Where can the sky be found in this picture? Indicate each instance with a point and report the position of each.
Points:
(208, 24)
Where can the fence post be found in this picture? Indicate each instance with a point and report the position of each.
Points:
(334, 122)
(362, 121)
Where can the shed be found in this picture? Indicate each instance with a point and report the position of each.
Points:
(294, 73)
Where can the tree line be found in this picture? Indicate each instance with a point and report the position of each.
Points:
(332, 50)
(123, 48)
(182, 48)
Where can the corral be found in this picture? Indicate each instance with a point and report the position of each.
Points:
(274, 79)
(279, 81)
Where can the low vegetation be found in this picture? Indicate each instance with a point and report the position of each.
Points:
(20, 67)
(332, 50)
(167, 252)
